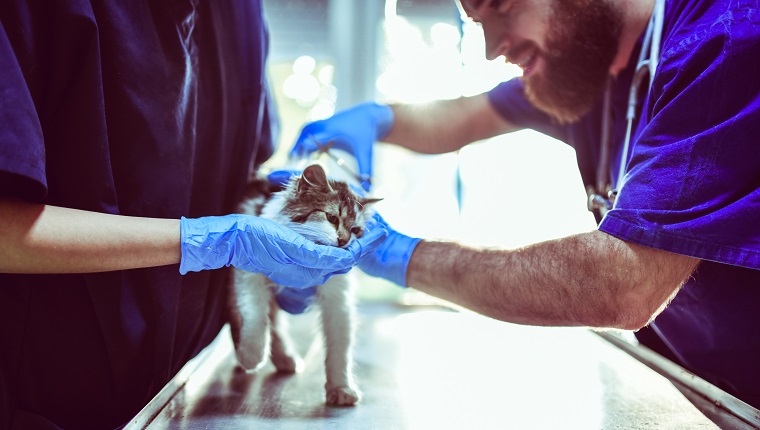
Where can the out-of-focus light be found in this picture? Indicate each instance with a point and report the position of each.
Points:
(301, 85)
(444, 35)
(444, 66)
(326, 74)
(304, 65)
(304, 89)
(322, 110)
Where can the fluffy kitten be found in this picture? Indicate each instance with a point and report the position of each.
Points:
(327, 212)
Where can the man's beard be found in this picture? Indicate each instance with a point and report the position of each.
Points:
(582, 42)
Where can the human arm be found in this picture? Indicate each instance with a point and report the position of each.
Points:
(432, 128)
(445, 125)
(50, 239)
(41, 238)
(590, 279)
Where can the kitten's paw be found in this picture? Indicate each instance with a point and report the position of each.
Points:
(287, 363)
(343, 396)
(250, 361)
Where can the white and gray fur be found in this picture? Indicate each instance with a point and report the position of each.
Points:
(326, 212)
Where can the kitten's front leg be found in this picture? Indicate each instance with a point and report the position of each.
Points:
(338, 319)
(284, 356)
(250, 319)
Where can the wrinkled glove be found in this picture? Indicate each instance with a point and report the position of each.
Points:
(263, 246)
(391, 259)
(354, 130)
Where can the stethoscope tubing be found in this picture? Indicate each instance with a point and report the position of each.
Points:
(645, 67)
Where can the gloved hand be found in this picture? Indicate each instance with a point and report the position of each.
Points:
(263, 246)
(354, 130)
(391, 259)
(295, 301)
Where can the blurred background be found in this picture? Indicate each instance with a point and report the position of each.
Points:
(505, 192)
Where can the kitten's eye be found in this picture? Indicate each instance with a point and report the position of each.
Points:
(357, 231)
(332, 219)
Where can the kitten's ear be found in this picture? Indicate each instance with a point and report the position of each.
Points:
(313, 176)
(366, 201)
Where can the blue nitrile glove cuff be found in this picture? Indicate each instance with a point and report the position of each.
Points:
(198, 237)
(391, 260)
(384, 119)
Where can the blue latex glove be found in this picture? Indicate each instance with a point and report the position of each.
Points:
(354, 130)
(293, 300)
(282, 177)
(391, 259)
(263, 246)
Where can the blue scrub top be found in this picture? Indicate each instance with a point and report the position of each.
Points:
(140, 108)
(692, 185)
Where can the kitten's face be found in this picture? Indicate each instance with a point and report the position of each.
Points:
(325, 211)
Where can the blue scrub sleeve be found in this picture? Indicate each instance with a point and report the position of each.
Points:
(22, 151)
(693, 180)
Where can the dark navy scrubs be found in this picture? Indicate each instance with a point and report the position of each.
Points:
(692, 183)
(140, 108)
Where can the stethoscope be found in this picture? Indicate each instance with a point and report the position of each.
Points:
(602, 198)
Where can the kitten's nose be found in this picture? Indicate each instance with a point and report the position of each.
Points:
(342, 241)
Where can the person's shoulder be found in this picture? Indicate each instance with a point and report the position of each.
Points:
(707, 38)
(690, 23)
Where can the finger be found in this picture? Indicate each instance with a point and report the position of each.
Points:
(295, 301)
(380, 220)
(308, 255)
(364, 163)
(282, 177)
(302, 148)
(372, 239)
(304, 145)
(307, 140)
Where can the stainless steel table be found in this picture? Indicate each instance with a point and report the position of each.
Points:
(434, 368)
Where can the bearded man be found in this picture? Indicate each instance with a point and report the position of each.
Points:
(676, 255)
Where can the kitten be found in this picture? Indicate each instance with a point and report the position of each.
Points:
(327, 212)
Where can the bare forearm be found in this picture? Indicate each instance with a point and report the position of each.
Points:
(591, 279)
(445, 125)
(50, 239)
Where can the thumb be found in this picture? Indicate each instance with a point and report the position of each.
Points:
(375, 236)
(305, 143)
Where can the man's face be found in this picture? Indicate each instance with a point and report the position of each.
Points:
(565, 47)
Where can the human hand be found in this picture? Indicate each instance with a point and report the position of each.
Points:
(295, 301)
(263, 246)
(391, 259)
(354, 130)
